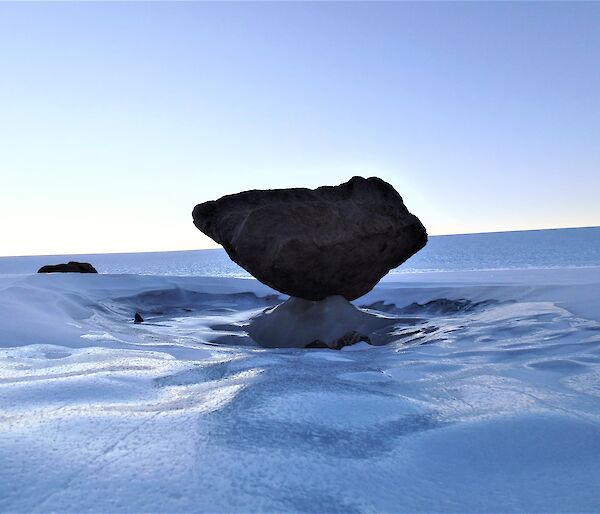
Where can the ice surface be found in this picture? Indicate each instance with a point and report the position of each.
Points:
(487, 399)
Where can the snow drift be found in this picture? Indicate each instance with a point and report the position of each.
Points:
(485, 399)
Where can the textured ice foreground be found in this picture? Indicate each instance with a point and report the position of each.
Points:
(488, 400)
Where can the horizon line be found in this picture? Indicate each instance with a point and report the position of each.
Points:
(221, 248)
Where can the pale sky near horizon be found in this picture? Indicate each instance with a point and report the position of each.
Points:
(117, 118)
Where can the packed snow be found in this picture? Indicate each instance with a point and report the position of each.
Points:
(486, 398)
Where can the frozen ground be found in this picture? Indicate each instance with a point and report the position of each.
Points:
(487, 399)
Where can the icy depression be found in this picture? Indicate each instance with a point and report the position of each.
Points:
(487, 398)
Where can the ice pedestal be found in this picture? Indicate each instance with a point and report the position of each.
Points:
(333, 322)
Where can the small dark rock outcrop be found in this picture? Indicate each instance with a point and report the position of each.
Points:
(346, 340)
(138, 318)
(69, 267)
(311, 244)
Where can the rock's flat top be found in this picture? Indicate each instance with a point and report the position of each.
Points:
(333, 240)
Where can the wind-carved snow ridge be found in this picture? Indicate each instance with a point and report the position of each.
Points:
(474, 404)
(248, 319)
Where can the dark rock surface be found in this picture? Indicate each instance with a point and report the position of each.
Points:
(138, 318)
(70, 267)
(346, 340)
(311, 244)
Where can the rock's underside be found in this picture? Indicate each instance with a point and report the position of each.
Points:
(311, 244)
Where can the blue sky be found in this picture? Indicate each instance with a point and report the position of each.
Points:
(116, 118)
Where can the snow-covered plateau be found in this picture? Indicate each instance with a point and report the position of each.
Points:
(485, 399)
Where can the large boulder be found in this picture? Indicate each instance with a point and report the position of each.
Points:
(69, 267)
(312, 244)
